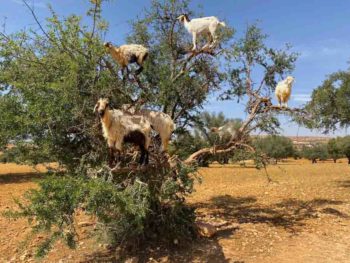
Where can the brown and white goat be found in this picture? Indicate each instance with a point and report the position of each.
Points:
(119, 128)
(161, 122)
(127, 54)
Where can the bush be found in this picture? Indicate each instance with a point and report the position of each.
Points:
(315, 152)
(277, 147)
(344, 144)
(335, 149)
(146, 206)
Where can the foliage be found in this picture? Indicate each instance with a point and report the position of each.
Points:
(50, 80)
(335, 149)
(187, 143)
(175, 82)
(315, 152)
(344, 144)
(329, 105)
(277, 147)
(143, 208)
(202, 136)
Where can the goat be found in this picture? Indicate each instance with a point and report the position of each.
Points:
(127, 54)
(119, 128)
(160, 122)
(200, 26)
(230, 128)
(283, 91)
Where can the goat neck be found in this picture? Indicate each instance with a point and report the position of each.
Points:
(186, 22)
(107, 119)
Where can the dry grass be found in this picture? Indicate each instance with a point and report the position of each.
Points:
(302, 216)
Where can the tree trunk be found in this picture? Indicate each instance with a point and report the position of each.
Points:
(334, 160)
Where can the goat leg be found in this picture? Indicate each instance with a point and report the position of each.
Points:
(142, 157)
(111, 157)
(147, 158)
(139, 70)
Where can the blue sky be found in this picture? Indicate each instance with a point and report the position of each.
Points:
(317, 29)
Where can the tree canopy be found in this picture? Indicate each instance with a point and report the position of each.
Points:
(51, 77)
(329, 107)
(277, 147)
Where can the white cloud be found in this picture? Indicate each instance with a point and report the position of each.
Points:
(301, 97)
(328, 48)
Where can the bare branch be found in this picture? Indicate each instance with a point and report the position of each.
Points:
(37, 20)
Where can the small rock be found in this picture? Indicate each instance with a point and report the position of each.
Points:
(205, 229)
(176, 241)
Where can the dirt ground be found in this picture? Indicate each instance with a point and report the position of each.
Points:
(303, 215)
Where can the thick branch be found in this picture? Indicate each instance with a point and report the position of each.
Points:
(193, 53)
(193, 157)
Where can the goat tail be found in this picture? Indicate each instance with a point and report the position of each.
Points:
(223, 24)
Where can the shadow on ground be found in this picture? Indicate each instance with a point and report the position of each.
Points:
(201, 250)
(289, 214)
(12, 178)
(343, 184)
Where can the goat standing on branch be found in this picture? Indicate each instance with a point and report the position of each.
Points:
(283, 91)
(160, 122)
(201, 26)
(119, 128)
(249, 55)
(127, 54)
(230, 128)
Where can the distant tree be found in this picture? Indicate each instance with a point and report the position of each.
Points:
(276, 147)
(315, 152)
(329, 107)
(202, 136)
(344, 144)
(335, 149)
(187, 143)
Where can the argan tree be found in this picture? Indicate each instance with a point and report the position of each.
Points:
(344, 144)
(329, 107)
(315, 152)
(335, 149)
(276, 147)
(52, 75)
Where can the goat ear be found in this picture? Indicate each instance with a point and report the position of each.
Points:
(96, 106)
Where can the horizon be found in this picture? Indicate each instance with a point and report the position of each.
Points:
(316, 31)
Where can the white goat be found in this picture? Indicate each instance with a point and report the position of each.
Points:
(201, 26)
(119, 128)
(160, 122)
(230, 128)
(127, 54)
(283, 91)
